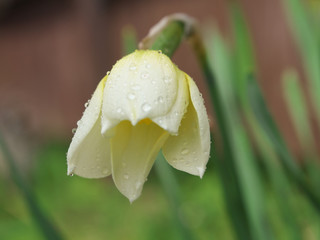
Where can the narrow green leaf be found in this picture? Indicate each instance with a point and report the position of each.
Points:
(245, 166)
(47, 228)
(298, 109)
(224, 160)
(267, 124)
(307, 35)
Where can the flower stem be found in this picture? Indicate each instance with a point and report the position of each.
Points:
(167, 41)
(169, 38)
(171, 187)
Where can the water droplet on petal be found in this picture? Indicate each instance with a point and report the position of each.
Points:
(74, 130)
(184, 151)
(133, 67)
(144, 75)
(108, 73)
(119, 110)
(146, 107)
(79, 122)
(159, 51)
(167, 79)
(160, 99)
(131, 96)
(71, 175)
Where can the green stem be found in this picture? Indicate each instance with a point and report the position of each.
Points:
(170, 38)
(171, 187)
(47, 228)
(168, 41)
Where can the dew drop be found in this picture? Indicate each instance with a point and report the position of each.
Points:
(108, 73)
(71, 175)
(74, 130)
(160, 99)
(133, 67)
(131, 96)
(146, 107)
(167, 79)
(86, 104)
(144, 75)
(119, 110)
(184, 151)
(159, 51)
(79, 122)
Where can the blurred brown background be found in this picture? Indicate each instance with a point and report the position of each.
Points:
(53, 53)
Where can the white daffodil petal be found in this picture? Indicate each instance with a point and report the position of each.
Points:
(171, 121)
(189, 151)
(89, 154)
(140, 85)
(133, 152)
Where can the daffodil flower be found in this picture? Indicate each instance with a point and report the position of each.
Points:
(143, 105)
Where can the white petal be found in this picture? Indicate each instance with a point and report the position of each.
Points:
(140, 85)
(171, 121)
(89, 152)
(134, 150)
(189, 151)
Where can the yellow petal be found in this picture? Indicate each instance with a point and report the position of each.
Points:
(141, 85)
(189, 151)
(89, 154)
(134, 150)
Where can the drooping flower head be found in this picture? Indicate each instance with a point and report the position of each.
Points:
(144, 105)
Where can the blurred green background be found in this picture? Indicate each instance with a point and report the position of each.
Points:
(260, 77)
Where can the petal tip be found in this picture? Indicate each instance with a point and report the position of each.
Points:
(70, 172)
(201, 171)
(133, 198)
